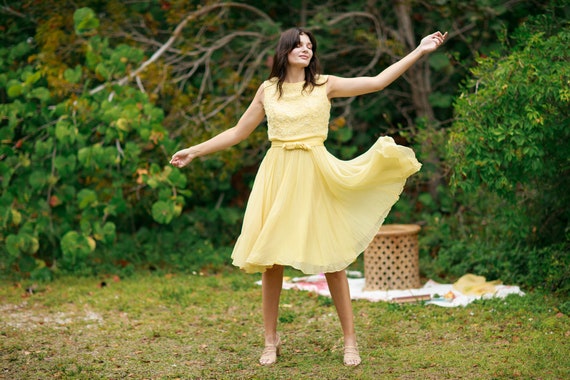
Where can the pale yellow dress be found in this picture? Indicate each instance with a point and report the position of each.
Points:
(308, 209)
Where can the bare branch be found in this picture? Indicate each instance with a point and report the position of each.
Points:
(139, 83)
(176, 33)
(7, 9)
(244, 83)
(380, 46)
(403, 9)
(459, 31)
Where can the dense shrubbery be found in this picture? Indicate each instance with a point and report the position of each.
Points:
(508, 150)
(79, 164)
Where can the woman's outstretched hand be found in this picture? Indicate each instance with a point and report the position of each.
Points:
(432, 42)
(181, 158)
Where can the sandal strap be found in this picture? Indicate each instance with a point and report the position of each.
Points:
(351, 350)
(270, 353)
(269, 349)
(351, 356)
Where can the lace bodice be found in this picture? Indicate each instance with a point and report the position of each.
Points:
(297, 114)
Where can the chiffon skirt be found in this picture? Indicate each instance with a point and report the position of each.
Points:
(316, 213)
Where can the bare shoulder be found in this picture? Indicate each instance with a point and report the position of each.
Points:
(322, 79)
(259, 95)
(333, 84)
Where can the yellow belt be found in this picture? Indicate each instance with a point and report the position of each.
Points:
(303, 144)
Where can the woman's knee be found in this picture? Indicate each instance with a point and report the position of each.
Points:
(335, 276)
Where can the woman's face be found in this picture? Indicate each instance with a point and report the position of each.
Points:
(301, 54)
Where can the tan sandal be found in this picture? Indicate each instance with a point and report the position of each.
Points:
(351, 356)
(270, 353)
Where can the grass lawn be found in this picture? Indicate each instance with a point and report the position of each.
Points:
(164, 326)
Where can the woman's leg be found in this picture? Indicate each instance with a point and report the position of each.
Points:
(340, 292)
(271, 284)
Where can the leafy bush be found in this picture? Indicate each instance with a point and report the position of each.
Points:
(508, 149)
(78, 166)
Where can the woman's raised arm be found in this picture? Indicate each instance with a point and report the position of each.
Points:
(346, 87)
(246, 124)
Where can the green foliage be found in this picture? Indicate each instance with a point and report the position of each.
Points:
(508, 149)
(513, 128)
(565, 308)
(179, 247)
(78, 164)
(553, 277)
(85, 21)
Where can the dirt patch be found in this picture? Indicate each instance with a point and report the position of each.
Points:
(26, 317)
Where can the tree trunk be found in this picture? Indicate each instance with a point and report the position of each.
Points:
(418, 74)
(303, 13)
(420, 87)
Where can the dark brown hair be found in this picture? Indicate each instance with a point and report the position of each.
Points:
(287, 42)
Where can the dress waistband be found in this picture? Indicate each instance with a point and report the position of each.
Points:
(303, 144)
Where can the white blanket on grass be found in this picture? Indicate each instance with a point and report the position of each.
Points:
(436, 291)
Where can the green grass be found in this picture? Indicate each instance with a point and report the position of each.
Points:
(157, 326)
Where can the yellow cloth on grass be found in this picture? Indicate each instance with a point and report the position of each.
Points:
(308, 209)
(473, 285)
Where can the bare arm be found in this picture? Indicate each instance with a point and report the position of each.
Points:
(346, 87)
(246, 124)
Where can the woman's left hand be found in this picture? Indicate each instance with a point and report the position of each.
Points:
(432, 42)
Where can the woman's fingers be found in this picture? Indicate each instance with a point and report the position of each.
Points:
(439, 37)
(178, 160)
(434, 40)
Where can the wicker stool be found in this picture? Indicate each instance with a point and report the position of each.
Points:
(391, 260)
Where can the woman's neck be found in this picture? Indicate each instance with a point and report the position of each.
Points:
(295, 75)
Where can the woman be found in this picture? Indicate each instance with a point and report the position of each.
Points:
(308, 209)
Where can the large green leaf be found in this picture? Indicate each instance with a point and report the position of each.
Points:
(65, 164)
(85, 21)
(13, 246)
(86, 198)
(75, 247)
(104, 70)
(105, 233)
(15, 89)
(38, 179)
(30, 77)
(65, 131)
(73, 75)
(22, 243)
(19, 50)
(43, 148)
(177, 179)
(164, 211)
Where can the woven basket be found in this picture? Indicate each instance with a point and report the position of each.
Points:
(391, 260)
